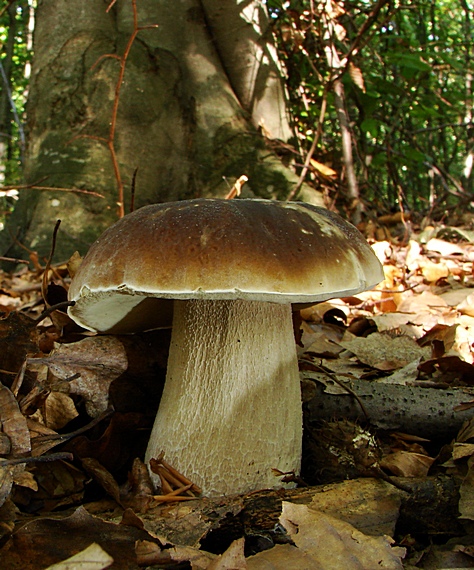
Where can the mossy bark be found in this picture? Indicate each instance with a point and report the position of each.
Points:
(180, 120)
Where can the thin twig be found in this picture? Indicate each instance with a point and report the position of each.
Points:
(318, 368)
(49, 189)
(60, 437)
(65, 456)
(171, 498)
(14, 260)
(5, 8)
(132, 190)
(309, 156)
(180, 476)
(110, 141)
(44, 281)
(52, 308)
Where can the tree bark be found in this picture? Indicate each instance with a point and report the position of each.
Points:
(5, 94)
(195, 90)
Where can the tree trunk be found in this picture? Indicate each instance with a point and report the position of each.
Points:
(195, 90)
(5, 94)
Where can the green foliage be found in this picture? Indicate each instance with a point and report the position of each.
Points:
(15, 56)
(408, 77)
(407, 71)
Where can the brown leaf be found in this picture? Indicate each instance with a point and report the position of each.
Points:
(449, 369)
(432, 271)
(14, 422)
(466, 492)
(344, 547)
(47, 541)
(97, 360)
(6, 483)
(323, 168)
(232, 559)
(74, 263)
(356, 76)
(59, 484)
(149, 554)
(407, 464)
(120, 441)
(103, 477)
(58, 410)
(466, 306)
(93, 558)
(384, 352)
(26, 479)
(370, 505)
(18, 338)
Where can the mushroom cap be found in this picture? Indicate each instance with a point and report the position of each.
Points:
(259, 250)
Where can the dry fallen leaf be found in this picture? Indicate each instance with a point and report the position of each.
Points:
(52, 539)
(89, 366)
(150, 554)
(370, 505)
(322, 542)
(232, 559)
(91, 558)
(18, 338)
(58, 410)
(323, 168)
(14, 423)
(102, 476)
(466, 492)
(444, 247)
(385, 352)
(466, 306)
(407, 464)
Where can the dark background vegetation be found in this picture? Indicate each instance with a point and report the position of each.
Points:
(394, 78)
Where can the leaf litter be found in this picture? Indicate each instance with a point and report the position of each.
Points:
(387, 384)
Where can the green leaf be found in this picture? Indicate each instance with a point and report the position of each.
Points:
(370, 126)
(409, 60)
(414, 154)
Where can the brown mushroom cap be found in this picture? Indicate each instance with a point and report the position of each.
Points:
(260, 250)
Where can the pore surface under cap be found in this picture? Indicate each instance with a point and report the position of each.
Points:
(287, 252)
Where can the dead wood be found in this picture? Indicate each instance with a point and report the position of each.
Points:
(425, 412)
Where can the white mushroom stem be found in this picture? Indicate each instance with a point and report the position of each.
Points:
(231, 406)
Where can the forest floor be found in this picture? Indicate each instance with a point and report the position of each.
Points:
(387, 477)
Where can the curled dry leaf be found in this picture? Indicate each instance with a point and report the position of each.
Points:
(462, 451)
(103, 477)
(407, 464)
(26, 479)
(14, 423)
(97, 360)
(74, 263)
(357, 76)
(466, 306)
(58, 410)
(457, 342)
(323, 168)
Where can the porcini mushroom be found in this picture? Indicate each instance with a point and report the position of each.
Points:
(231, 407)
